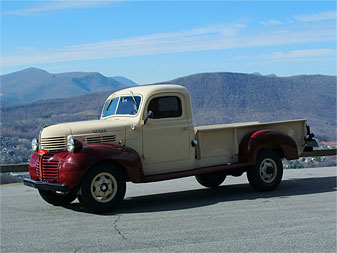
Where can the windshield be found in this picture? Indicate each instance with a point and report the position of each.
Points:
(121, 106)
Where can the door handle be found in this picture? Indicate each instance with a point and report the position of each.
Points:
(185, 128)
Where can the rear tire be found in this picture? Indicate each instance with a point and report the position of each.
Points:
(267, 174)
(58, 199)
(103, 188)
(211, 179)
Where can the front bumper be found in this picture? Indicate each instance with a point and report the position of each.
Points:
(46, 185)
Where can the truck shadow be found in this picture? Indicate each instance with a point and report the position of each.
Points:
(227, 193)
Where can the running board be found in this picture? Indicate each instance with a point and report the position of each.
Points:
(226, 168)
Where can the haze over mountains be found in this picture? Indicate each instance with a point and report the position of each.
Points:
(34, 84)
(216, 98)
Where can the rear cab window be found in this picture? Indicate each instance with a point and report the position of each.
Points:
(165, 107)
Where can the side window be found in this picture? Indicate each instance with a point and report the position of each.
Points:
(165, 107)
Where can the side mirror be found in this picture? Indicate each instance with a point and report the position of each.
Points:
(149, 115)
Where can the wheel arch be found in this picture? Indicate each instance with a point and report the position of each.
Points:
(126, 159)
(267, 139)
(111, 163)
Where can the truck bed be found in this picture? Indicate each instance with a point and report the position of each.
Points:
(219, 144)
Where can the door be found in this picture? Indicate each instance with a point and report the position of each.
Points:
(166, 134)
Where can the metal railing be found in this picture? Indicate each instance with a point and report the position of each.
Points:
(319, 152)
(23, 167)
(6, 168)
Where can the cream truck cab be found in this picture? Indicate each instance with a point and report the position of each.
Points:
(146, 134)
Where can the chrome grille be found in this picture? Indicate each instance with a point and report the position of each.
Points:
(49, 168)
(54, 144)
(101, 139)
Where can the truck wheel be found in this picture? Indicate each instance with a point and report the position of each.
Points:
(211, 179)
(103, 188)
(266, 175)
(58, 199)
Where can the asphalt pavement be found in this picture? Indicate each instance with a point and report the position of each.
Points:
(181, 216)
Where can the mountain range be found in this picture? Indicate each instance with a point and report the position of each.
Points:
(216, 98)
(34, 84)
(234, 97)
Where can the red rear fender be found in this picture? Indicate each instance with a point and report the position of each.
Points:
(253, 142)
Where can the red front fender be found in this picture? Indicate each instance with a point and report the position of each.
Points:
(73, 166)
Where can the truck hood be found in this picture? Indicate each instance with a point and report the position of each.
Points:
(54, 138)
(89, 127)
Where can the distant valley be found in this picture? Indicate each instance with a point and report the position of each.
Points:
(216, 98)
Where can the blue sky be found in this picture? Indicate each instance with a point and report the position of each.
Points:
(152, 41)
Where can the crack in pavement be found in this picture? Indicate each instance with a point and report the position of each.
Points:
(77, 249)
(116, 228)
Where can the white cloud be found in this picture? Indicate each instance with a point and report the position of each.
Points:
(304, 53)
(201, 39)
(240, 58)
(55, 5)
(326, 15)
(272, 22)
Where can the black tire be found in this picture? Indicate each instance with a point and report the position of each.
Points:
(103, 188)
(267, 174)
(58, 199)
(211, 179)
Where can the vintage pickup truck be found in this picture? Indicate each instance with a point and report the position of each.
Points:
(146, 134)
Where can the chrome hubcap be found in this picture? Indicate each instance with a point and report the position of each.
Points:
(268, 170)
(103, 187)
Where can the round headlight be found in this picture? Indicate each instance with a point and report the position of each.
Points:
(74, 145)
(35, 144)
(70, 144)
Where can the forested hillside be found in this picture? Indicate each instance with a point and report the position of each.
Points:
(235, 97)
(216, 98)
